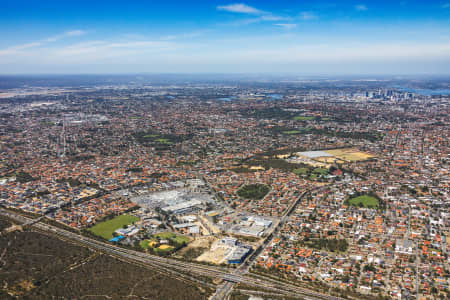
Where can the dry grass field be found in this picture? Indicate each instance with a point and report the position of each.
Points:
(350, 154)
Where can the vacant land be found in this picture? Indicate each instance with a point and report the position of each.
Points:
(193, 253)
(196, 247)
(253, 191)
(364, 200)
(40, 266)
(350, 154)
(216, 256)
(105, 229)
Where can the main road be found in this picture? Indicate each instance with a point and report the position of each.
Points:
(225, 290)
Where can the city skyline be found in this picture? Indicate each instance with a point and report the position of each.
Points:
(352, 37)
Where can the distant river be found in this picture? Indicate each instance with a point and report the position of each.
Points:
(267, 97)
(426, 92)
(226, 98)
(275, 96)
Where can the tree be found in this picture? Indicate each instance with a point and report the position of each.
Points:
(370, 268)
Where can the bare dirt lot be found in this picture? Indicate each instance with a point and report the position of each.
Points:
(196, 247)
(216, 256)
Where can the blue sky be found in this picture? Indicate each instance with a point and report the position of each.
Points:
(301, 37)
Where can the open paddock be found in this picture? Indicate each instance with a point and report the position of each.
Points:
(350, 154)
(106, 229)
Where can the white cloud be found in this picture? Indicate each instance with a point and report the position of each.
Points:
(281, 49)
(286, 25)
(240, 8)
(18, 48)
(101, 49)
(446, 5)
(188, 35)
(65, 35)
(264, 18)
(270, 17)
(243, 22)
(91, 52)
(307, 16)
(245, 54)
(75, 33)
(246, 9)
(361, 7)
(26, 46)
(319, 53)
